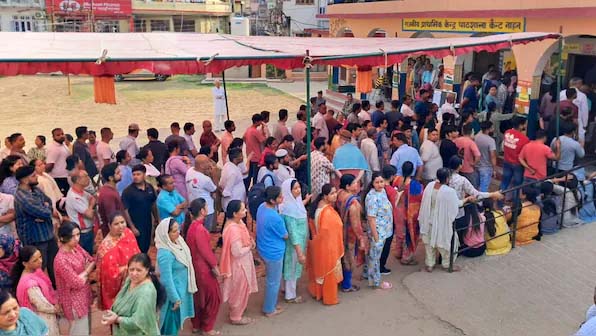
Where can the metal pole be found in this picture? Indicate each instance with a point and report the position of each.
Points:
(559, 72)
(563, 202)
(308, 126)
(452, 248)
(223, 77)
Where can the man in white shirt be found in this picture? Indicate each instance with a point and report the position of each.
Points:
(80, 207)
(219, 104)
(406, 109)
(582, 104)
(448, 107)
(364, 114)
(232, 181)
(129, 143)
(105, 154)
(431, 157)
(7, 214)
(199, 184)
(319, 124)
(370, 151)
(56, 160)
(189, 131)
(283, 171)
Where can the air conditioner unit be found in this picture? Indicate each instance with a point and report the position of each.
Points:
(40, 15)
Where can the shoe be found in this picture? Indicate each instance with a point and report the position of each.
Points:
(385, 271)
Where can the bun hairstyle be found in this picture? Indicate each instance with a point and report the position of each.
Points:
(65, 231)
(144, 260)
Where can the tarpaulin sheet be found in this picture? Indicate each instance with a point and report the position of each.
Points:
(190, 53)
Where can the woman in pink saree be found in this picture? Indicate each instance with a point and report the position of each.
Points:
(237, 263)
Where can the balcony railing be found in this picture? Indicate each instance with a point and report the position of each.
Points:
(183, 6)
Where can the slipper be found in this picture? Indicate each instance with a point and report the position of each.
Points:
(428, 269)
(243, 321)
(410, 262)
(386, 285)
(352, 289)
(297, 299)
(455, 268)
(276, 312)
(212, 333)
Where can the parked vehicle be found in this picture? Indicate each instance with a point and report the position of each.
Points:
(141, 74)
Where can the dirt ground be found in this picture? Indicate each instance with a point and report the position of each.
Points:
(34, 105)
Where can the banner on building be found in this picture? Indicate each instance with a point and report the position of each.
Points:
(86, 7)
(465, 25)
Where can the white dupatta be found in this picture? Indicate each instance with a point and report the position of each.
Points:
(437, 222)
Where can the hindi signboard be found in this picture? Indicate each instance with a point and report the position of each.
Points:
(465, 25)
(85, 7)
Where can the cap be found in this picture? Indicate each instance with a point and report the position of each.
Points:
(345, 134)
(24, 171)
(133, 127)
(281, 153)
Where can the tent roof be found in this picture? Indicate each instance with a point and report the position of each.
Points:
(189, 53)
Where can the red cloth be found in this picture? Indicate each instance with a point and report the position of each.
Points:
(208, 297)
(108, 202)
(31, 280)
(104, 89)
(564, 104)
(513, 142)
(469, 150)
(536, 155)
(266, 151)
(253, 139)
(74, 294)
(112, 258)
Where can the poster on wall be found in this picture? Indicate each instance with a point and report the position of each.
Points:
(84, 7)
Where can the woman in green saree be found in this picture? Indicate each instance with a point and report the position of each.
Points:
(134, 311)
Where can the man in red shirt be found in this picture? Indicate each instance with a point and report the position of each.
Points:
(468, 149)
(109, 201)
(535, 155)
(514, 140)
(253, 138)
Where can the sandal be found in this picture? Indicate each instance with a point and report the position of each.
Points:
(297, 300)
(428, 269)
(212, 332)
(455, 268)
(276, 312)
(352, 289)
(410, 262)
(243, 321)
(384, 285)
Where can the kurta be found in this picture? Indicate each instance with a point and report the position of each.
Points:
(74, 293)
(501, 244)
(297, 235)
(219, 101)
(527, 225)
(324, 253)
(177, 168)
(436, 220)
(174, 277)
(137, 310)
(112, 262)
(232, 184)
(35, 292)
(208, 297)
(28, 324)
(237, 268)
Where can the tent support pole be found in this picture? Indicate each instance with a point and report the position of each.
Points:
(223, 78)
(307, 67)
(68, 84)
(559, 72)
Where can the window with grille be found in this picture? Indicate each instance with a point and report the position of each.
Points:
(160, 25)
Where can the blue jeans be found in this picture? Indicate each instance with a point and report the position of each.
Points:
(485, 174)
(87, 241)
(511, 173)
(272, 283)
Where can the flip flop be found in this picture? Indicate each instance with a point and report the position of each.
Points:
(243, 321)
(276, 312)
(297, 300)
(212, 333)
(386, 285)
(411, 262)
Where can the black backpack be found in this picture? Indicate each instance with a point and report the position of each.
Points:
(256, 196)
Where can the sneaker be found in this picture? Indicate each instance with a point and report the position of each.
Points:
(385, 271)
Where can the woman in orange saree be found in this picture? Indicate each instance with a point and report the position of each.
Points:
(113, 255)
(326, 247)
(407, 230)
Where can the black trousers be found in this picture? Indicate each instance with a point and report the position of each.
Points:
(62, 183)
(385, 252)
(48, 250)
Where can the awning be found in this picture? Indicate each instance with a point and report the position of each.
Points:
(188, 53)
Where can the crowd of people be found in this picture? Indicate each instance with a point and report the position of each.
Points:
(380, 183)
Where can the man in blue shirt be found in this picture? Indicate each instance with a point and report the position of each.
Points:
(421, 107)
(169, 201)
(571, 151)
(470, 101)
(271, 243)
(378, 114)
(405, 153)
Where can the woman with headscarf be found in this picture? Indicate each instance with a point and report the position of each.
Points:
(207, 299)
(9, 254)
(177, 276)
(294, 214)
